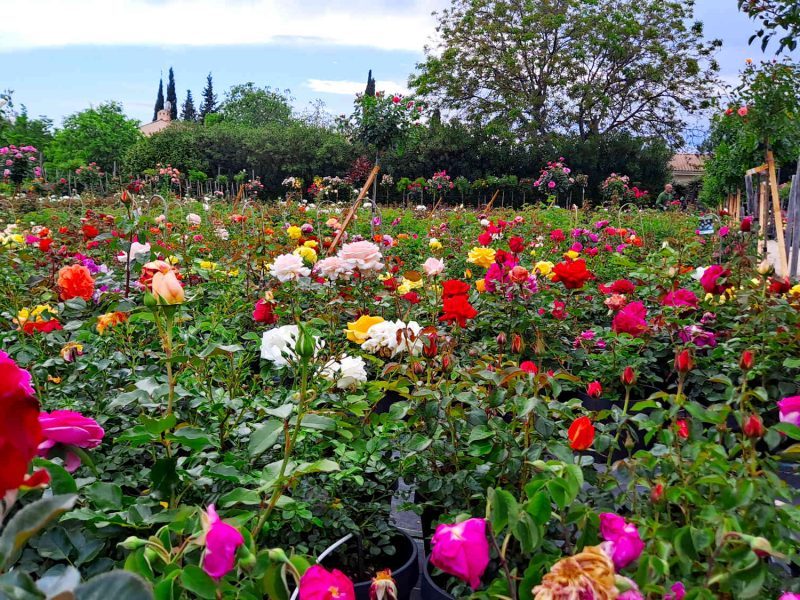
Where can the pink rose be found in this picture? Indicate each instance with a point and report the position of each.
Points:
(14, 382)
(681, 297)
(711, 277)
(317, 583)
(333, 267)
(789, 409)
(433, 266)
(461, 550)
(362, 255)
(625, 545)
(631, 319)
(71, 429)
(221, 541)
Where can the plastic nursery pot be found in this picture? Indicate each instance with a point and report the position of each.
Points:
(404, 565)
(429, 589)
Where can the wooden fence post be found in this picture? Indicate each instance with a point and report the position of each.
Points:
(777, 214)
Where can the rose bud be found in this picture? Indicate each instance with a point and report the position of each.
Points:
(628, 376)
(594, 389)
(683, 428)
(430, 347)
(516, 343)
(501, 339)
(447, 362)
(656, 492)
(753, 427)
(747, 360)
(684, 362)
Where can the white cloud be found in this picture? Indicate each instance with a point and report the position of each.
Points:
(389, 26)
(351, 88)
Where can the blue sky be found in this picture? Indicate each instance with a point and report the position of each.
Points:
(83, 52)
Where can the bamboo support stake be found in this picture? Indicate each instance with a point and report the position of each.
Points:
(351, 213)
(777, 214)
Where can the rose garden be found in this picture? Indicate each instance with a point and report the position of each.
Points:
(351, 365)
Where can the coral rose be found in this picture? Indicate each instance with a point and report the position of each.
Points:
(75, 281)
(167, 289)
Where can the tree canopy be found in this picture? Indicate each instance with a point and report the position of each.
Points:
(541, 67)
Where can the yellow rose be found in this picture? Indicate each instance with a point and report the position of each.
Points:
(311, 243)
(481, 256)
(795, 291)
(233, 272)
(294, 232)
(208, 265)
(480, 285)
(435, 244)
(308, 254)
(173, 260)
(544, 267)
(571, 254)
(357, 330)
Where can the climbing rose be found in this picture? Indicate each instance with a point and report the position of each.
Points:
(461, 550)
(221, 542)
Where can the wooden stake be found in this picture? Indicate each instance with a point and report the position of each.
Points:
(351, 213)
(762, 219)
(489, 206)
(776, 213)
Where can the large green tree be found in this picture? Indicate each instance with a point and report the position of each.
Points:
(249, 105)
(159, 99)
(102, 135)
(17, 128)
(209, 104)
(539, 67)
(188, 112)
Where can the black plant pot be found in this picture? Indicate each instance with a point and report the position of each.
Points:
(429, 589)
(404, 565)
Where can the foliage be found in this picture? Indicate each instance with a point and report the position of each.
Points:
(538, 68)
(159, 99)
(188, 111)
(255, 107)
(209, 104)
(777, 17)
(172, 96)
(102, 135)
(19, 129)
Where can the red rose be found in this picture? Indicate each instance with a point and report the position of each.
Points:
(779, 286)
(683, 428)
(412, 297)
(581, 433)
(485, 238)
(516, 244)
(31, 327)
(632, 319)
(628, 376)
(747, 360)
(458, 308)
(620, 286)
(454, 287)
(89, 231)
(529, 367)
(684, 362)
(753, 427)
(264, 313)
(573, 274)
(594, 389)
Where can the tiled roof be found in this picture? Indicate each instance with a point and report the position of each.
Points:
(688, 162)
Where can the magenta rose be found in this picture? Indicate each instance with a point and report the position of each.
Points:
(221, 541)
(14, 382)
(681, 298)
(317, 583)
(789, 409)
(69, 428)
(625, 545)
(631, 319)
(714, 279)
(462, 550)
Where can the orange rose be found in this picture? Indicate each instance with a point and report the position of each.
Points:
(167, 289)
(75, 281)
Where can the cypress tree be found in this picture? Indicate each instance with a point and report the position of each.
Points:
(209, 104)
(188, 110)
(370, 91)
(159, 99)
(172, 96)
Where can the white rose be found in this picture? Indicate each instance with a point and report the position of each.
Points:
(288, 266)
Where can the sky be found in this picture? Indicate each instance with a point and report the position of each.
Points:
(61, 56)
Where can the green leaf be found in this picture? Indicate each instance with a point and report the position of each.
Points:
(793, 431)
(192, 438)
(503, 509)
(198, 582)
(61, 482)
(239, 496)
(527, 533)
(116, 584)
(319, 422)
(164, 475)
(105, 495)
(28, 522)
(159, 426)
(17, 585)
(264, 437)
(539, 508)
(282, 412)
